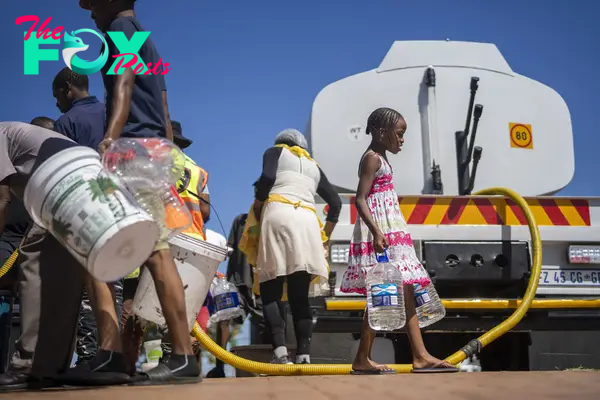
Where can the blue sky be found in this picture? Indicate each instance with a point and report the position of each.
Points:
(242, 71)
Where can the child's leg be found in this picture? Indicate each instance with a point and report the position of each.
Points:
(421, 357)
(362, 360)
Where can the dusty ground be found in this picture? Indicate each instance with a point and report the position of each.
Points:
(504, 385)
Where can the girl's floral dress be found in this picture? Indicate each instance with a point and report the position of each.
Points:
(385, 210)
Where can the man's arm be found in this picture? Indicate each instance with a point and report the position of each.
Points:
(123, 87)
(168, 126)
(121, 102)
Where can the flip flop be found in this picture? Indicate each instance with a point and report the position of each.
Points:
(162, 375)
(384, 371)
(438, 369)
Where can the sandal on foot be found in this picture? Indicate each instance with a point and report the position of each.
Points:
(436, 369)
(384, 371)
(162, 375)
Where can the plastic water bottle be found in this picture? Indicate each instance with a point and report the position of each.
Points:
(149, 169)
(385, 296)
(227, 302)
(428, 305)
(154, 158)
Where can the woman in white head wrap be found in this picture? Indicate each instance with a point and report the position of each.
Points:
(291, 242)
(291, 137)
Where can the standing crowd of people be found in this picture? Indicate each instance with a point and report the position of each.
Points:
(97, 313)
(289, 256)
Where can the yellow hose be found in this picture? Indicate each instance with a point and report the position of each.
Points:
(9, 263)
(343, 369)
(475, 345)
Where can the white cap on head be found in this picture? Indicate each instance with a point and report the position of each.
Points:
(291, 136)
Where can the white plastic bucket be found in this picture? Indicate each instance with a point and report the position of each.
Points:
(197, 263)
(72, 197)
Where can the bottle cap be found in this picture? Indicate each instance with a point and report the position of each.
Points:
(383, 258)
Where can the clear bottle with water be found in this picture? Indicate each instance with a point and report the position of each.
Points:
(149, 169)
(428, 305)
(156, 159)
(385, 296)
(227, 302)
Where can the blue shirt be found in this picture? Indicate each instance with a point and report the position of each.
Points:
(146, 113)
(84, 123)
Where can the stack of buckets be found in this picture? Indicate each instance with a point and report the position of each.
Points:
(197, 262)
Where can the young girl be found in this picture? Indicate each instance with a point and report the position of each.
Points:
(382, 226)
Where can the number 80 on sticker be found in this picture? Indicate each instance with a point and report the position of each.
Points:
(521, 135)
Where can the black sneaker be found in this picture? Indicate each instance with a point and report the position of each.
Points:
(107, 368)
(105, 361)
(180, 369)
(13, 380)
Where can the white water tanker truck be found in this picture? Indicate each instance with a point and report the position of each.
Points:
(473, 123)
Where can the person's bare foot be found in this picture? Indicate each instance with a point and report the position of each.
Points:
(430, 361)
(368, 365)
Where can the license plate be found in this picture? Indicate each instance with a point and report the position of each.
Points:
(571, 277)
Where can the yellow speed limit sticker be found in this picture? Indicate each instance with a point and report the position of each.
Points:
(521, 135)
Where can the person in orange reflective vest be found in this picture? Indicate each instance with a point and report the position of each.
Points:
(193, 187)
(193, 190)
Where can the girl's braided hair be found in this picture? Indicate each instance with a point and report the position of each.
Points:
(383, 119)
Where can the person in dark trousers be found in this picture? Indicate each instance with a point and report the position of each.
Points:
(51, 279)
(16, 225)
(136, 106)
(83, 121)
(239, 272)
(11, 237)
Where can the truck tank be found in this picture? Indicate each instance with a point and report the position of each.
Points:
(524, 128)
